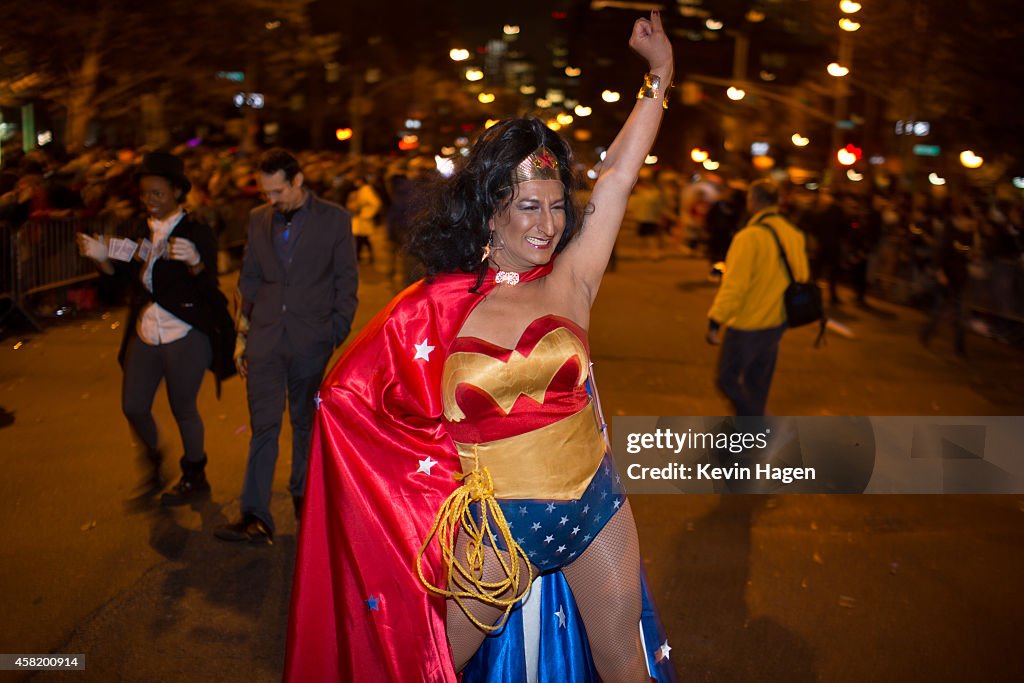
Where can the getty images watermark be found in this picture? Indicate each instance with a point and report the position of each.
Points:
(819, 454)
(724, 443)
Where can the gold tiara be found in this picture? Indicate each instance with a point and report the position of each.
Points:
(541, 164)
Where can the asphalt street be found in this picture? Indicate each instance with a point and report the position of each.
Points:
(751, 588)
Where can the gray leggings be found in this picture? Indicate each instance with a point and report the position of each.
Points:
(182, 363)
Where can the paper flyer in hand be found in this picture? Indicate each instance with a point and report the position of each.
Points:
(121, 249)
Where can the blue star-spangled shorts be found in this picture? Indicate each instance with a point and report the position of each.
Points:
(553, 533)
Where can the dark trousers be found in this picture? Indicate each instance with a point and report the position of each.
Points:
(746, 366)
(859, 278)
(280, 376)
(182, 365)
(829, 265)
(363, 242)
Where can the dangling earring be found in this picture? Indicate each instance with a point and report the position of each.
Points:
(487, 248)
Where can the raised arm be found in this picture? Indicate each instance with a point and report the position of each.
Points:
(588, 255)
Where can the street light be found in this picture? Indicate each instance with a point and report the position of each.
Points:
(485, 97)
(474, 74)
(849, 6)
(698, 155)
(710, 165)
(511, 30)
(800, 140)
(572, 71)
(610, 96)
(970, 160)
(836, 69)
(848, 24)
(582, 111)
(458, 54)
(735, 93)
(936, 179)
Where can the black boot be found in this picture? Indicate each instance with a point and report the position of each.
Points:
(191, 486)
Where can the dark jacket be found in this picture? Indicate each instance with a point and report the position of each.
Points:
(194, 298)
(312, 298)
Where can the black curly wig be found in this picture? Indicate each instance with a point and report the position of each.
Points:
(450, 234)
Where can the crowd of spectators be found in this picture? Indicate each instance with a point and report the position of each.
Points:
(891, 244)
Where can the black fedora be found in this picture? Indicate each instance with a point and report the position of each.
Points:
(166, 165)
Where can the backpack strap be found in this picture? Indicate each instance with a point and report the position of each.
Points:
(782, 252)
(820, 339)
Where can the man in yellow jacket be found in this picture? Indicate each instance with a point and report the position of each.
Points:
(749, 301)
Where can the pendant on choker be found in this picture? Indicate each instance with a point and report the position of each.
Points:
(507, 278)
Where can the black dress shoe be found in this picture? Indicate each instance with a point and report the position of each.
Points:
(250, 528)
(297, 502)
(188, 489)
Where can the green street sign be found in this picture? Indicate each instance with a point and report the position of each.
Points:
(927, 150)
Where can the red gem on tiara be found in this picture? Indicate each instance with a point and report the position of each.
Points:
(546, 160)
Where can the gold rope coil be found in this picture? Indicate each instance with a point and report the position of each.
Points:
(466, 580)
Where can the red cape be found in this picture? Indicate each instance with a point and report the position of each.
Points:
(359, 611)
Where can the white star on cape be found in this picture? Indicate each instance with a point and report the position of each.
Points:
(426, 464)
(317, 400)
(663, 651)
(561, 617)
(423, 350)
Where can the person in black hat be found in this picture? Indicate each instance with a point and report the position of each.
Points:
(178, 322)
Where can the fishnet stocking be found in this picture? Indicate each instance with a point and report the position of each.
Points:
(605, 581)
(464, 637)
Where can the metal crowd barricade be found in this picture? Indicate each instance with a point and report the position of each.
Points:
(7, 261)
(41, 255)
(994, 291)
(1000, 291)
(10, 275)
(48, 256)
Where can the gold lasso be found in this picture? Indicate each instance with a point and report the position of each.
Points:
(467, 581)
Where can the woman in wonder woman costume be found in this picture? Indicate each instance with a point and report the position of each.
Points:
(463, 519)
